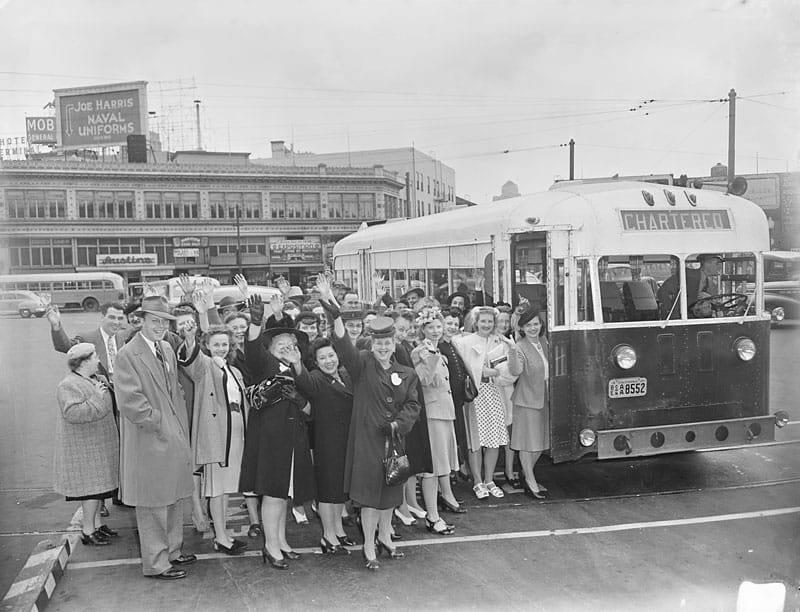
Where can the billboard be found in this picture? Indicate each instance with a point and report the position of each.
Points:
(41, 130)
(100, 116)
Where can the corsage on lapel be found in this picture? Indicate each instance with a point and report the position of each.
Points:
(396, 380)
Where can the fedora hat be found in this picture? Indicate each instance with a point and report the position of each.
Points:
(703, 256)
(416, 290)
(156, 305)
(456, 294)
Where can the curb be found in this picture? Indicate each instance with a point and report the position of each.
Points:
(36, 581)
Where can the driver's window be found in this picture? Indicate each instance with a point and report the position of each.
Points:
(720, 284)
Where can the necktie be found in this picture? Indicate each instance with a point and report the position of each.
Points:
(111, 348)
(160, 357)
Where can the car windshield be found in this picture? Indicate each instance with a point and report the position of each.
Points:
(781, 269)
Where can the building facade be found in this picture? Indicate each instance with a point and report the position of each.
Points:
(431, 183)
(150, 221)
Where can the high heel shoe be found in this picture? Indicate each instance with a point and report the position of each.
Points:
(332, 549)
(107, 531)
(371, 564)
(406, 520)
(439, 527)
(392, 552)
(290, 554)
(228, 550)
(94, 539)
(512, 482)
(346, 541)
(446, 505)
(276, 563)
(417, 513)
(533, 494)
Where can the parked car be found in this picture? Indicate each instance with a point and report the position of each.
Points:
(782, 285)
(223, 291)
(24, 303)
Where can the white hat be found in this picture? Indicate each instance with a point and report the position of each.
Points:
(82, 349)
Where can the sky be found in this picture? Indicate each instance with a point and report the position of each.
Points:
(493, 89)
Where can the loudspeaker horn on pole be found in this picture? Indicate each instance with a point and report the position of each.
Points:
(738, 186)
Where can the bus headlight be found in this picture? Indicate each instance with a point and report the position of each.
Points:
(624, 356)
(777, 314)
(781, 418)
(745, 348)
(587, 437)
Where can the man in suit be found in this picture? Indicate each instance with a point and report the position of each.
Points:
(700, 283)
(156, 462)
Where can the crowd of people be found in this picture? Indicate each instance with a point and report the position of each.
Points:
(296, 401)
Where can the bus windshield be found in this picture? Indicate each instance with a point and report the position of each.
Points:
(649, 287)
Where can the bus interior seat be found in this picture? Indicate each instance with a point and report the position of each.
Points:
(611, 301)
(640, 302)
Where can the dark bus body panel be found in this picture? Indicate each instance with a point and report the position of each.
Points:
(693, 376)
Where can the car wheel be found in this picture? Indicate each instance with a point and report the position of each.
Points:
(39, 315)
(91, 305)
(25, 313)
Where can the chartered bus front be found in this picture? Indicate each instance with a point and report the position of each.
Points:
(659, 341)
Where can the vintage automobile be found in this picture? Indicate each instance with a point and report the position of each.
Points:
(782, 285)
(24, 303)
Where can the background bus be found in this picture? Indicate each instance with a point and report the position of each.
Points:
(86, 290)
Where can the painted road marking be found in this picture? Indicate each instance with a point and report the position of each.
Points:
(515, 535)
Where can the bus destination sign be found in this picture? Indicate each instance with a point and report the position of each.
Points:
(674, 220)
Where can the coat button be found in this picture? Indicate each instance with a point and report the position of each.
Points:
(388, 414)
(389, 400)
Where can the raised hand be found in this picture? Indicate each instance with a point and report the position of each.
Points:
(199, 300)
(283, 285)
(323, 286)
(256, 306)
(276, 303)
(148, 290)
(54, 316)
(186, 285)
(479, 283)
(241, 282)
(293, 355)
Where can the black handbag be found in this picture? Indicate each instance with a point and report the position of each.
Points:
(470, 390)
(395, 466)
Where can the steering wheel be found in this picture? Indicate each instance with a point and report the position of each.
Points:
(726, 303)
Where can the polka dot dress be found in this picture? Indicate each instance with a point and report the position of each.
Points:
(491, 416)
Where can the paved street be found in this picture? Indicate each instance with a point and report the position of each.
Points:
(666, 533)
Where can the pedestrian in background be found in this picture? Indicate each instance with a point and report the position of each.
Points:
(86, 457)
(156, 472)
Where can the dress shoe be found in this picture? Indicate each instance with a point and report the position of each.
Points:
(396, 536)
(228, 550)
(346, 541)
(290, 554)
(332, 549)
(299, 513)
(107, 531)
(94, 539)
(103, 511)
(172, 573)
(371, 564)
(184, 560)
(254, 531)
(539, 494)
(439, 527)
(280, 564)
(406, 520)
(418, 513)
(446, 505)
(511, 482)
(392, 552)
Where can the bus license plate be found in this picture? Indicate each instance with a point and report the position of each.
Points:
(627, 387)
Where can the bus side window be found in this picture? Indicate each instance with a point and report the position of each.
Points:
(584, 282)
(558, 268)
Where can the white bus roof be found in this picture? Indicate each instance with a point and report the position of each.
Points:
(606, 219)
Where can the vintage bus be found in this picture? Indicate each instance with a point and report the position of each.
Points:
(632, 371)
(86, 290)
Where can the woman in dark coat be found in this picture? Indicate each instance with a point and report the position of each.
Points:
(277, 460)
(385, 402)
(330, 391)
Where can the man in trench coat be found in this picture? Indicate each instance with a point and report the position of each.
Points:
(156, 461)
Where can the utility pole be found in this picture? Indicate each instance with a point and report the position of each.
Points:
(199, 140)
(571, 159)
(731, 135)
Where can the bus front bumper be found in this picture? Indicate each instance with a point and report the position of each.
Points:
(643, 441)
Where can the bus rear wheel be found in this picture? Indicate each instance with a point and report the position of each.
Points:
(90, 305)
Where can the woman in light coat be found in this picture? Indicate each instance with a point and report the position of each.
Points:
(531, 433)
(220, 414)
(485, 353)
(86, 458)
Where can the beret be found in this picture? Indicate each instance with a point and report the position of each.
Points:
(82, 349)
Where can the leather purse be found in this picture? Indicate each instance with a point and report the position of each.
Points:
(395, 466)
(470, 390)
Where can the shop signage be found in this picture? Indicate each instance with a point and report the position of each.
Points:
(186, 252)
(100, 116)
(12, 147)
(189, 241)
(127, 260)
(307, 250)
(41, 130)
